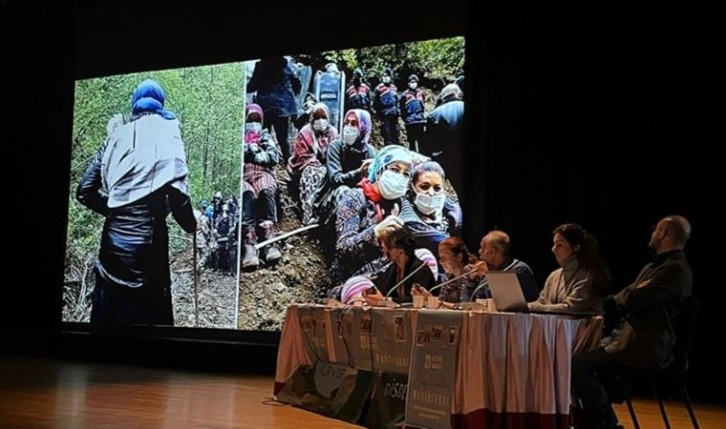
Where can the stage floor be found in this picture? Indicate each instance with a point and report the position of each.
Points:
(39, 394)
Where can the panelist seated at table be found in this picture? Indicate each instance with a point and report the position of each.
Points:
(407, 269)
(457, 264)
(582, 281)
(353, 288)
(495, 255)
(642, 335)
(364, 212)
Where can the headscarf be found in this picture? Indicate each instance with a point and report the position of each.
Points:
(354, 287)
(428, 258)
(319, 106)
(251, 136)
(364, 125)
(387, 156)
(149, 97)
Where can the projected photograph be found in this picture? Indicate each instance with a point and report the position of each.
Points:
(338, 147)
(154, 210)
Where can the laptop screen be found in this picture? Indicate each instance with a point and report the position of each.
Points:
(506, 291)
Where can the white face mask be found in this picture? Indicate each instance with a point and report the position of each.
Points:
(255, 127)
(320, 124)
(392, 185)
(350, 134)
(386, 79)
(413, 85)
(429, 204)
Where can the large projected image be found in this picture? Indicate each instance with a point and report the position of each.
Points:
(216, 196)
(338, 147)
(154, 198)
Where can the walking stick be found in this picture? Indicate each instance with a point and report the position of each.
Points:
(195, 277)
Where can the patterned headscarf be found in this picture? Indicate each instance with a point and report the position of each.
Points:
(354, 287)
(364, 125)
(427, 257)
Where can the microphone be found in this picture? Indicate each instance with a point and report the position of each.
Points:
(388, 294)
(473, 294)
(448, 281)
(486, 283)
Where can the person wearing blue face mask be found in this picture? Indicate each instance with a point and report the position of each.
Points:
(428, 212)
(365, 212)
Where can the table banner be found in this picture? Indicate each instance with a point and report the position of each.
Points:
(314, 387)
(352, 396)
(387, 407)
(433, 365)
(314, 331)
(337, 344)
(354, 331)
(392, 340)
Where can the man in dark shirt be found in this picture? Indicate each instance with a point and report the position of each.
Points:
(644, 338)
(495, 255)
(444, 137)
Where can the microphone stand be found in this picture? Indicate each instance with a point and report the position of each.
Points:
(473, 294)
(388, 294)
(445, 283)
(486, 283)
(448, 281)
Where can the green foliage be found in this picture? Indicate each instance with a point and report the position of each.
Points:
(209, 102)
(435, 60)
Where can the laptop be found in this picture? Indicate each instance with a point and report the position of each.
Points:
(507, 294)
(506, 291)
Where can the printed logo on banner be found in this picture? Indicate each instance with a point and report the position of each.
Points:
(328, 378)
(393, 352)
(432, 370)
(314, 387)
(387, 407)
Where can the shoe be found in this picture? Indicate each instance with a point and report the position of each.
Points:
(250, 259)
(272, 254)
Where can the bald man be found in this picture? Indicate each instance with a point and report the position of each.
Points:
(644, 338)
(495, 255)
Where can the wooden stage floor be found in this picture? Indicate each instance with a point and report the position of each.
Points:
(39, 394)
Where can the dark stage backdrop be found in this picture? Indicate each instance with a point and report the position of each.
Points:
(610, 117)
(604, 117)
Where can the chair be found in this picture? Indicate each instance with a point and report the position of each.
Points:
(684, 329)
